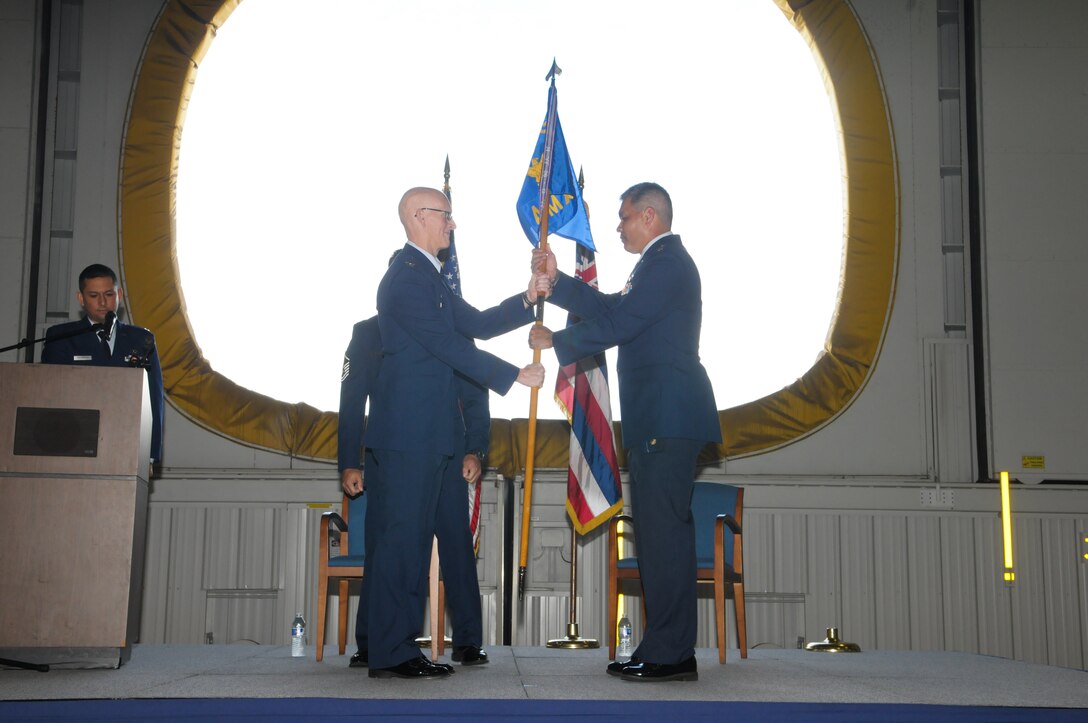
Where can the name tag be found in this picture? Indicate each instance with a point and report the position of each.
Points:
(80, 357)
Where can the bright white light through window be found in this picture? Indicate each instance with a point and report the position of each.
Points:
(309, 120)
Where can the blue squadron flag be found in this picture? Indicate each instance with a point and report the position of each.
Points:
(551, 169)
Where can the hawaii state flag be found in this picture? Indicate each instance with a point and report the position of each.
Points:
(594, 493)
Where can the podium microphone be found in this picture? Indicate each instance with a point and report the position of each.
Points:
(108, 324)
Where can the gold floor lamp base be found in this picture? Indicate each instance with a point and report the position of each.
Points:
(573, 641)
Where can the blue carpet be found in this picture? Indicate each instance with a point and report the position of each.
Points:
(409, 710)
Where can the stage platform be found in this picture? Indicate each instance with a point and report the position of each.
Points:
(524, 673)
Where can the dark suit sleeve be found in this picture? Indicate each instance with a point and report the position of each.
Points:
(412, 303)
(57, 348)
(51, 350)
(475, 324)
(645, 304)
(360, 369)
(477, 414)
(581, 299)
(154, 378)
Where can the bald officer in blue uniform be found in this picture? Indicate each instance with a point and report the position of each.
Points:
(82, 342)
(667, 408)
(415, 426)
(362, 361)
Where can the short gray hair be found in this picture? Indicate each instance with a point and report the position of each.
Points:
(650, 194)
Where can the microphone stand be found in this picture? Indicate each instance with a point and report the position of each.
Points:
(77, 332)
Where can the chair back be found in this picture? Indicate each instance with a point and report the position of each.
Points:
(708, 500)
(356, 519)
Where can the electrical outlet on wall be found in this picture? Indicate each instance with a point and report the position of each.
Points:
(942, 498)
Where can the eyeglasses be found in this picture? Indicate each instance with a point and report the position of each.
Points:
(447, 214)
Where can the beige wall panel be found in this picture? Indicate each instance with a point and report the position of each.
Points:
(859, 552)
(824, 554)
(924, 545)
(891, 582)
(994, 597)
(1063, 599)
(1028, 613)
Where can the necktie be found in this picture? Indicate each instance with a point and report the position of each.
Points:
(105, 342)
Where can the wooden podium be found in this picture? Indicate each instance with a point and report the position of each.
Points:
(74, 460)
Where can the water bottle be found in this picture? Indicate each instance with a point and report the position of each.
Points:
(624, 645)
(298, 635)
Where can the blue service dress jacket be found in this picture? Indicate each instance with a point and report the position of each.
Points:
(75, 343)
(362, 360)
(655, 322)
(426, 332)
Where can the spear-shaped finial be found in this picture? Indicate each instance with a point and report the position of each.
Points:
(555, 70)
(446, 176)
(582, 187)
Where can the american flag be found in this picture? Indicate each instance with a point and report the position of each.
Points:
(594, 493)
(451, 272)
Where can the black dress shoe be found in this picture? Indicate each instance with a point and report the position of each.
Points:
(359, 660)
(469, 655)
(415, 668)
(654, 672)
(617, 667)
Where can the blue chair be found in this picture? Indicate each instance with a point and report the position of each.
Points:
(718, 510)
(343, 568)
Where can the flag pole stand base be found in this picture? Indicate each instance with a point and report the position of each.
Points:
(573, 641)
(424, 641)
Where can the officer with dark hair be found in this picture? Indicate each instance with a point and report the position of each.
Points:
(100, 338)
